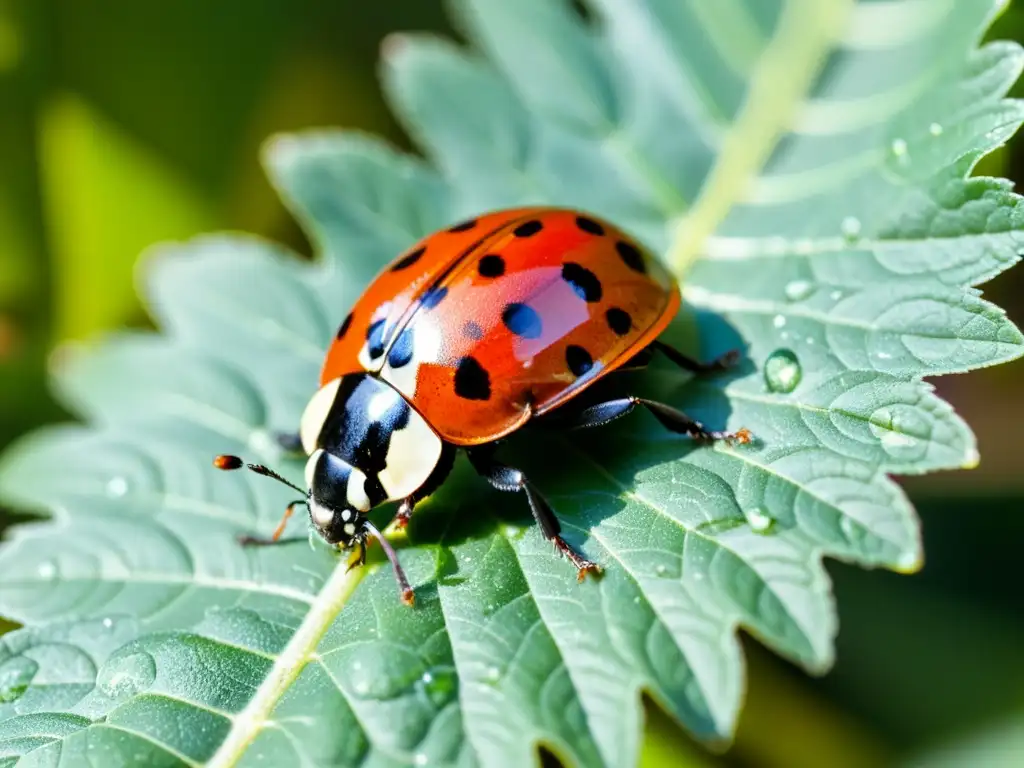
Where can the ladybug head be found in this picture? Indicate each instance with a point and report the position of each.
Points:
(337, 500)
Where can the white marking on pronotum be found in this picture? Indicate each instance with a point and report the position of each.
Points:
(355, 491)
(311, 466)
(381, 403)
(316, 413)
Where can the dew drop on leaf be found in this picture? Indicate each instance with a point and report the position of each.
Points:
(759, 519)
(779, 321)
(15, 677)
(127, 675)
(850, 228)
(935, 129)
(899, 148)
(108, 623)
(661, 570)
(492, 674)
(836, 295)
(420, 758)
(46, 569)
(439, 685)
(117, 486)
(796, 290)
(782, 372)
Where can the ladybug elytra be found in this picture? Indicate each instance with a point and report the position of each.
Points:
(463, 339)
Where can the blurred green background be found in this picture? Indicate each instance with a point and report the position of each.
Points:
(123, 123)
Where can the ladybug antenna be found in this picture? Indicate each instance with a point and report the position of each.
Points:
(228, 462)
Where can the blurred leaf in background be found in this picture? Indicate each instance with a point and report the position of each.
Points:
(125, 123)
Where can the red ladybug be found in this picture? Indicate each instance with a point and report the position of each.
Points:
(463, 339)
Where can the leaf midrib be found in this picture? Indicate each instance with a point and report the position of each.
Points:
(780, 83)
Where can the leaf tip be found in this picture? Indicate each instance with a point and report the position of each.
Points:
(910, 562)
(972, 459)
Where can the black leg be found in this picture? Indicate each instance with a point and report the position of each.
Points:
(672, 419)
(506, 478)
(290, 442)
(718, 365)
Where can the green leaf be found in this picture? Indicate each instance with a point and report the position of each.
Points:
(801, 164)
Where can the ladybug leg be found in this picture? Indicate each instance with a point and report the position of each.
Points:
(275, 538)
(290, 442)
(671, 418)
(405, 511)
(718, 365)
(505, 478)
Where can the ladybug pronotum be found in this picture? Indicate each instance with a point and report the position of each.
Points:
(463, 339)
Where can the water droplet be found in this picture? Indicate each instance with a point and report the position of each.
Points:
(420, 758)
(796, 290)
(46, 569)
(15, 677)
(850, 227)
(492, 674)
(896, 427)
(636, 600)
(836, 295)
(779, 321)
(439, 685)
(935, 129)
(884, 356)
(899, 147)
(117, 486)
(108, 623)
(759, 519)
(782, 372)
(127, 675)
(661, 570)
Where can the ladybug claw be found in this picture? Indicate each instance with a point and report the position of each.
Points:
(743, 436)
(588, 567)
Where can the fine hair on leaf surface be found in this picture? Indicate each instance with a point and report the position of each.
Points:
(802, 165)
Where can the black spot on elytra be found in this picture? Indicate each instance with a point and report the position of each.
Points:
(582, 280)
(343, 328)
(375, 339)
(589, 225)
(473, 330)
(407, 261)
(464, 226)
(528, 228)
(401, 351)
(578, 359)
(491, 265)
(631, 255)
(522, 320)
(471, 380)
(433, 297)
(619, 321)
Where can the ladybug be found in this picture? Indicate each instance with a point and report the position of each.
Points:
(466, 337)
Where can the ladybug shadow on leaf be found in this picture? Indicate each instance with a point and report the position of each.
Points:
(586, 474)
